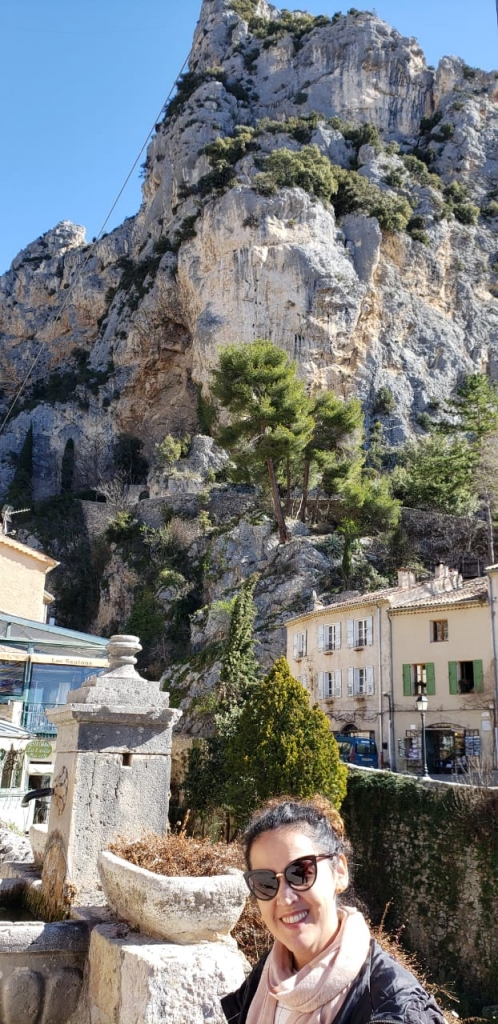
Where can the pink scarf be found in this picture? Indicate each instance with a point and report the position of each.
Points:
(316, 993)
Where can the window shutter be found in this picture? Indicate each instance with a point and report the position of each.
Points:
(338, 636)
(407, 680)
(445, 629)
(296, 645)
(430, 676)
(350, 682)
(350, 632)
(370, 679)
(305, 642)
(321, 638)
(453, 676)
(338, 683)
(321, 684)
(369, 630)
(478, 676)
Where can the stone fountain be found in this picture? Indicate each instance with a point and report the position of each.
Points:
(111, 777)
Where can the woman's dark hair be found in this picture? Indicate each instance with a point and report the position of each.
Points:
(316, 817)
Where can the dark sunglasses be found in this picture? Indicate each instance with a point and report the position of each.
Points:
(300, 874)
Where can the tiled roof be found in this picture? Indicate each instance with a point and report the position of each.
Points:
(404, 598)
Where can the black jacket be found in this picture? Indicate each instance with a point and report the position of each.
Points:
(384, 993)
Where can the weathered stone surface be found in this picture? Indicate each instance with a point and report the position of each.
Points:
(179, 909)
(14, 847)
(358, 311)
(136, 981)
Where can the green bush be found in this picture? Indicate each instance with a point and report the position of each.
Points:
(307, 169)
(357, 194)
(418, 170)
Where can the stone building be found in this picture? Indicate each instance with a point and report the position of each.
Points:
(367, 658)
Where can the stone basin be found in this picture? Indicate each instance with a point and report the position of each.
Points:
(41, 971)
(175, 908)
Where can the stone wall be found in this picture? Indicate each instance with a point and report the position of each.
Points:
(426, 856)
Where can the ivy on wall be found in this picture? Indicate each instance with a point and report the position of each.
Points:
(430, 856)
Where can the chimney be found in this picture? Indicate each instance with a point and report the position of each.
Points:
(406, 579)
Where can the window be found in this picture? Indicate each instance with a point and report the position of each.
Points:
(300, 645)
(360, 681)
(330, 684)
(11, 678)
(11, 767)
(360, 632)
(419, 678)
(465, 676)
(329, 637)
(439, 630)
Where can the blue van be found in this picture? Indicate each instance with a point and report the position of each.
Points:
(358, 750)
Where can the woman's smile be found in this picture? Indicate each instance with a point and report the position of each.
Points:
(305, 922)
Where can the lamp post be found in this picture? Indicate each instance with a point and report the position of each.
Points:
(422, 705)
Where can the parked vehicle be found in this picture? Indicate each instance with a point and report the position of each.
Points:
(358, 750)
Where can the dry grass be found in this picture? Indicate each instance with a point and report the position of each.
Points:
(180, 854)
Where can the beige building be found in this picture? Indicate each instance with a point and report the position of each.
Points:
(39, 664)
(366, 659)
(22, 580)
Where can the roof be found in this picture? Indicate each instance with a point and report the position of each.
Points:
(25, 634)
(471, 592)
(48, 563)
(399, 599)
(14, 732)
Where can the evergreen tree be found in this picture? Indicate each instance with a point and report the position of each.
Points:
(335, 423)
(282, 745)
(438, 472)
(270, 420)
(239, 668)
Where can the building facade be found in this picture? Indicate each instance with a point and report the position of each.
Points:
(366, 659)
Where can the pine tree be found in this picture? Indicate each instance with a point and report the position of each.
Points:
(335, 423)
(270, 420)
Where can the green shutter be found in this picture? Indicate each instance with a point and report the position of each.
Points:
(407, 681)
(478, 676)
(431, 680)
(453, 676)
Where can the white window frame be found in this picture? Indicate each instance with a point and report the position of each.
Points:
(329, 637)
(435, 623)
(360, 632)
(361, 682)
(300, 645)
(330, 684)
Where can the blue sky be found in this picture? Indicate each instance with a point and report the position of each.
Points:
(82, 83)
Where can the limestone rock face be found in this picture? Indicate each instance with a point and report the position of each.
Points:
(118, 336)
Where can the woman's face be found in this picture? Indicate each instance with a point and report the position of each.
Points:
(305, 922)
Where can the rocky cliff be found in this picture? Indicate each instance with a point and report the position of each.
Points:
(120, 335)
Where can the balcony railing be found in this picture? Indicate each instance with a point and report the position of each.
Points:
(34, 718)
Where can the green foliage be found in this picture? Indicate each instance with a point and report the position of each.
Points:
(367, 508)
(356, 194)
(223, 154)
(437, 472)
(419, 170)
(469, 72)
(167, 451)
(476, 405)
(336, 433)
(187, 85)
(384, 403)
(206, 414)
(359, 135)
(281, 745)
(299, 128)
(20, 490)
(457, 203)
(146, 618)
(307, 169)
(124, 527)
(428, 123)
(292, 23)
(269, 413)
(60, 385)
(239, 668)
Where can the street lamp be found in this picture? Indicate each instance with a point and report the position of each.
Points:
(422, 705)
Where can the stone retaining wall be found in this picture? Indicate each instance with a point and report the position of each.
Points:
(426, 857)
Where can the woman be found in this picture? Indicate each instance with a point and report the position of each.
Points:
(323, 967)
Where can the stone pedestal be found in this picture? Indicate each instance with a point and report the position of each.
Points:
(111, 774)
(133, 980)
